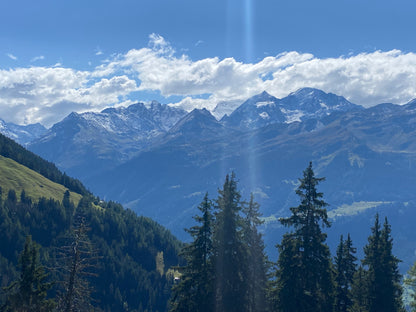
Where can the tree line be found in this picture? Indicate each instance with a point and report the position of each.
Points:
(227, 269)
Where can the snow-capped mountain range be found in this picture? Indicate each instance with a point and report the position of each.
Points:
(115, 135)
(22, 134)
(264, 109)
(160, 160)
(106, 138)
(144, 121)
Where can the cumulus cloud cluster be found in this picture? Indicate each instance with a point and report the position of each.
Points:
(47, 94)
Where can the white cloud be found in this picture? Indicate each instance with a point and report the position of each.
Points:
(199, 42)
(366, 79)
(13, 57)
(37, 58)
(47, 94)
(159, 45)
(98, 51)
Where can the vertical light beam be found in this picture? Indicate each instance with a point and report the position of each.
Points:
(248, 49)
(248, 30)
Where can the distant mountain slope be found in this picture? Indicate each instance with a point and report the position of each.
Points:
(198, 124)
(256, 112)
(367, 155)
(85, 144)
(353, 149)
(101, 140)
(22, 134)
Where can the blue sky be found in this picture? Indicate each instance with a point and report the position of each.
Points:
(60, 56)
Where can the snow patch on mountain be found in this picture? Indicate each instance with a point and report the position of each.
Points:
(264, 103)
(292, 115)
(225, 108)
(264, 115)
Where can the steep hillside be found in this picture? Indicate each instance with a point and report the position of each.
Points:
(12, 150)
(14, 176)
(135, 254)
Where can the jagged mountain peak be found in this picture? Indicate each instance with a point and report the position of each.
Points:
(201, 112)
(307, 92)
(263, 97)
(257, 111)
(136, 117)
(73, 115)
(110, 136)
(198, 123)
(306, 103)
(196, 116)
(315, 99)
(23, 134)
(154, 105)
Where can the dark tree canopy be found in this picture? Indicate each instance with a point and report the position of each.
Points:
(226, 267)
(229, 250)
(303, 254)
(29, 292)
(344, 267)
(128, 244)
(195, 291)
(257, 262)
(384, 289)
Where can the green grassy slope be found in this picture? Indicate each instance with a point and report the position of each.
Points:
(18, 177)
(12, 150)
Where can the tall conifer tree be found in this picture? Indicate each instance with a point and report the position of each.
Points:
(410, 281)
(306, 253)
(345, 268)
(29, 292)
(195, 291)
(256, 274)
(384, 289)
(288, 286)
(359, 291)
(230, 251)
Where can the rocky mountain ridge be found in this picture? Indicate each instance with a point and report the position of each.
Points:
(22, 134)
(367, 155)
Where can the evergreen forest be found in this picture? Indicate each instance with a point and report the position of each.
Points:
(77, 252)
(227, 269)
(115, 259)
